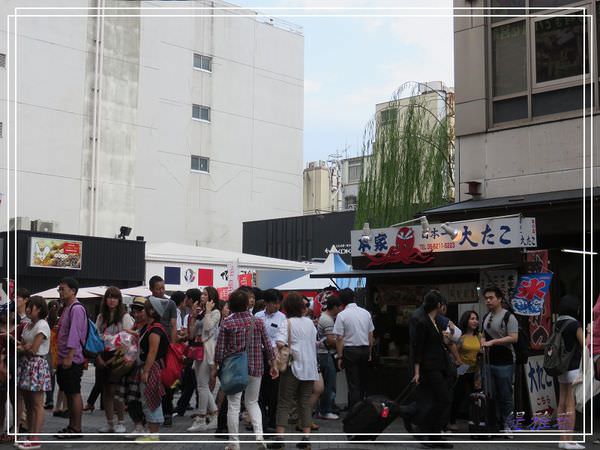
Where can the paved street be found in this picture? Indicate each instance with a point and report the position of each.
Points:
(91, 423)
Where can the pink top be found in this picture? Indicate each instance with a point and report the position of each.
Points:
(596, 328)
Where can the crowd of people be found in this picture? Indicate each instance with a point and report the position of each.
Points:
(292, 351)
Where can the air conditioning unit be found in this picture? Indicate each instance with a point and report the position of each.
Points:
(44, 226)
(19, 223)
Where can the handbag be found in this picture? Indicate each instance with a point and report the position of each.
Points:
(283, 360)
(587, 387)
(233, 372)
(195, 351)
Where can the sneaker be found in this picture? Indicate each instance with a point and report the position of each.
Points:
(120, 428)
(199, 424)
(572, 446)
(108, 428)
(168, 421)
(136, 432)
(212, 422)
(148, 439)
(328, 416)
(28, 445)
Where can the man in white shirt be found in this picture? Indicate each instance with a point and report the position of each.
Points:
(354, 330)
(276, 326)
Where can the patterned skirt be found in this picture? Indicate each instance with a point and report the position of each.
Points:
(34, 374)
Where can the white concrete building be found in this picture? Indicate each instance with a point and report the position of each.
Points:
(178, 127)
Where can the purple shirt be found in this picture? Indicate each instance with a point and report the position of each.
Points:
(72, 331)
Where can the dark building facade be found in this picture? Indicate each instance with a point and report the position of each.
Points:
(300, 238)
(102, 261)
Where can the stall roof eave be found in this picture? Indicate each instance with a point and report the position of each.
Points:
(413, 271)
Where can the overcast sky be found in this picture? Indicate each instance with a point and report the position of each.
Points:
(353, 63)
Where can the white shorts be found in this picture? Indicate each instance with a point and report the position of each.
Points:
(568, 377)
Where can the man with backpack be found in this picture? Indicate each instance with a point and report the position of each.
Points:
(72, 334)
(500, 333)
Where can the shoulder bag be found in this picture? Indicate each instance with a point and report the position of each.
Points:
(233, 372)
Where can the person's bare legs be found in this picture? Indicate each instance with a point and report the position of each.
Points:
(36, 411)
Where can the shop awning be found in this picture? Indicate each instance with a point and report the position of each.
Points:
(511, 202)
(413, 271)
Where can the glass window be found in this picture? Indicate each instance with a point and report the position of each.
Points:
(548, 3)
(559, 48)
(558, 101)
(201, 112)
(507, 4)
(203, 62)
(510, 109)
(509, 58)
(354, 173)
(199, 163)
(389, 115)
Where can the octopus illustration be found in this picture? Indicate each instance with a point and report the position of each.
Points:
(403, 252)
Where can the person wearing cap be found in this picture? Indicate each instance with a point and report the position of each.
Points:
(154, 344)
(129, 392)
(354, 330)
(326, 354)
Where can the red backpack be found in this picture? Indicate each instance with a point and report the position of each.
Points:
(171, 374)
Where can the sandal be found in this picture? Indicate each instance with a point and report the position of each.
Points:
(89, 408)
(68, 433)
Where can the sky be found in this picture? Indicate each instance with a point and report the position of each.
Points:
(353, 63)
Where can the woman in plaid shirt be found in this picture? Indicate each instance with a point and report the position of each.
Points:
(233, 337)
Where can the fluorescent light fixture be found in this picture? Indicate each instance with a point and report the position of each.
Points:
(453, 232)
(366, 233)
(578, 252)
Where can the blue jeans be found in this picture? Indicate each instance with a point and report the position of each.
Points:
(329, 373)
(502, 391)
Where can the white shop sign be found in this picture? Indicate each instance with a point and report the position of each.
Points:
(485, 234)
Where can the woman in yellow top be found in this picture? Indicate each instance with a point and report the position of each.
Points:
(468, 349)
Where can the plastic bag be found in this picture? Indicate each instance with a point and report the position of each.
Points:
(126, 354)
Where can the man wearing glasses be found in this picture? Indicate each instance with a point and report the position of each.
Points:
(501, 331)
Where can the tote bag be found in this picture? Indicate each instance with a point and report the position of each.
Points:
(233, 373)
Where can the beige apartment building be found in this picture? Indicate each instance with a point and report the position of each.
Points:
(520, 91)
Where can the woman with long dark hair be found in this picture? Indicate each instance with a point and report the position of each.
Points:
(572, 333)
(468, 350)
(113, 319)
(203, 326)
(34, 370)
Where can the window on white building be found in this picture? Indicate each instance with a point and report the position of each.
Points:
(203, 62)
(3, 60)
(350, 202)
(354, 172)
(1, 130)
(201, 112)
(200, 164)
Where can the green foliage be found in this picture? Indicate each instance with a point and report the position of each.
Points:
(409, 159)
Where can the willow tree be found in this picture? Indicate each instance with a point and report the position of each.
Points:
(408, 157)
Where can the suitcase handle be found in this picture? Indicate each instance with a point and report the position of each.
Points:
(407, 391)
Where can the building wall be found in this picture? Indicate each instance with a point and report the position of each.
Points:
(317, 195)
(540, 152)
(147, 135)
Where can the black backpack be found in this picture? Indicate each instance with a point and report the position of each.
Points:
(521, 347)
(556, 356)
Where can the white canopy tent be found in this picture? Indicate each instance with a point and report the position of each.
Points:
(171, 252)
(333, 263)
(53, 293)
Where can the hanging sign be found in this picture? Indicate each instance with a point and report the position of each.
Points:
(411, 245)
(55, 253)
(540, 326)
(531, 293)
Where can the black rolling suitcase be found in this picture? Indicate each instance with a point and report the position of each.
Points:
(482, 409)
(374, 414)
